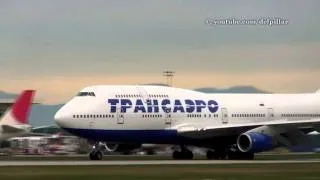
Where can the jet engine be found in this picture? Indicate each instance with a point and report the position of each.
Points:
(255, 142)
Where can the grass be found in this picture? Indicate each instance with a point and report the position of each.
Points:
(165, 172)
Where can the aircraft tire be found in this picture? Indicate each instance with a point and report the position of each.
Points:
(95, 155)
(98, 155)
(182, 155)
(188, 155)
(91, 155)
(209, 154)
(176, 155)
(216, 155)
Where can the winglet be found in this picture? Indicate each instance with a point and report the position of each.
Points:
(21, 107)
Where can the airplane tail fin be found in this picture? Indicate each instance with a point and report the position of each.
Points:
(19, 112)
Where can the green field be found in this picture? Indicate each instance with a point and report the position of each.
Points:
(165, 172)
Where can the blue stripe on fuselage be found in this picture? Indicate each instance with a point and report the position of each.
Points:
(143, 136)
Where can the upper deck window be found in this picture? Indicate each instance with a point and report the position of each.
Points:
(86, 94)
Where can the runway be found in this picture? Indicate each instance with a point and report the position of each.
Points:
(149, 162)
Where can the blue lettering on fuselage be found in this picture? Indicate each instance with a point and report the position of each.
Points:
(125, 104)
(113, 104)
(178, 106)
(166, 105)
(139, 106)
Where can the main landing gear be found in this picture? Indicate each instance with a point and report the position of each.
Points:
(183, 154)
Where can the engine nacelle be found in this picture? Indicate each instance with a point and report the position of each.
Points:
(254, 142)
(113, 147)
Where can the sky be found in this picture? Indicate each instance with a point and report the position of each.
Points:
(60, 46)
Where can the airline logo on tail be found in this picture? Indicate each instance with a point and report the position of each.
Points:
(19, 112)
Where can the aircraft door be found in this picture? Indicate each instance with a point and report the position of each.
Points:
(270, 114)
(91, 120)
(168, 118)
(120, 116)
(224, 113)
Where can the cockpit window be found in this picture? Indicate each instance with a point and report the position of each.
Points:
(86, 94)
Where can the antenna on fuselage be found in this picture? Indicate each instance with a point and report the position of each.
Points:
(169, 76)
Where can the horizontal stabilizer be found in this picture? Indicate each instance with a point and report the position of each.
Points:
(11, 129)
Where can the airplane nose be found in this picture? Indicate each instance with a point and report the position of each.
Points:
(59, 118)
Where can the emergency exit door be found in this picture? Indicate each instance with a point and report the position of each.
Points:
(270, 114)
(120, 116)
(168, 118)
(224, 113)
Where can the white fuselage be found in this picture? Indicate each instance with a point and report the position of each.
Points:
(151, 114)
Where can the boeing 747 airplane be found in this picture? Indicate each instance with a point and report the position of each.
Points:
(230, 126)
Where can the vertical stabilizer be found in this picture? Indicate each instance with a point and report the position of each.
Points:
(19, 112)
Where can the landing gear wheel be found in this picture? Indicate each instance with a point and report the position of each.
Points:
(91, 156)
(95, 155)
(188, 155)
(185, 154)
(216, 154)
(176, 155)
(99, 155)
(210, 154)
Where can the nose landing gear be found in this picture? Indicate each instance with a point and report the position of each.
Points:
(95, 155)
(97, 151)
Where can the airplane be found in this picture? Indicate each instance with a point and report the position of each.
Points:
(230, 126)
(14, 121)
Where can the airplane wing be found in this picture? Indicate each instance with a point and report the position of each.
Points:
(280, 126)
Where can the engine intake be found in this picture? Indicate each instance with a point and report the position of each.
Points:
(254, 142)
